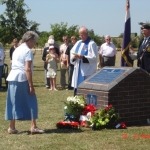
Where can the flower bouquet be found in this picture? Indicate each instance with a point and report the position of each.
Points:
(104, 118)
(74, 107)
(89, 108)
(67, 125)
(87, 113)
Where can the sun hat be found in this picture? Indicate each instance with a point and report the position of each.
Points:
(51, 47)
(50, 41)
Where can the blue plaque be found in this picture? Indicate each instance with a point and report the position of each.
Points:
(92, 99)
(106, 76)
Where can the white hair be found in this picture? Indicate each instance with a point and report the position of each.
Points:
(51, 37)
(30, 36)
(107, 36)
(83, 28)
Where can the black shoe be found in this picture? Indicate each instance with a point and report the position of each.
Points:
(69, 89)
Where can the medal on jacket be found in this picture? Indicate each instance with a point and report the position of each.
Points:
(148, 49)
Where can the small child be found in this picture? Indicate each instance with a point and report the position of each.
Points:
(52, 59)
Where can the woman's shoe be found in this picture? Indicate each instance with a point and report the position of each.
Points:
(36, 130)
(11, 131)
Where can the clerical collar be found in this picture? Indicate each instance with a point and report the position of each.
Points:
(87, 40)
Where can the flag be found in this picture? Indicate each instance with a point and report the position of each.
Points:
(125, 58)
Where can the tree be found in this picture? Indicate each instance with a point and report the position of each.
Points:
(95, 38)
(114, 41)
(59, 30)
(121, 35)
(135, 43)
(43, 38)
(14, 23)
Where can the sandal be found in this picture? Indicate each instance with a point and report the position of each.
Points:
(11, 131)
(36, 130)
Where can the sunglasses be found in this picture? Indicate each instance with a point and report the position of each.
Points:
(65, 39)
(108, 39)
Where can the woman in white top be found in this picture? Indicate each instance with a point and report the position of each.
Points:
(21, 102)
(2, 56)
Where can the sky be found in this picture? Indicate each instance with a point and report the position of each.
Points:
(105, 17)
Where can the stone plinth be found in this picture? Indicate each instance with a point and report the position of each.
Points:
(126, 88)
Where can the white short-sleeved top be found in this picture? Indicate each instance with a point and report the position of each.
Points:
(20, 56)
(108, 50)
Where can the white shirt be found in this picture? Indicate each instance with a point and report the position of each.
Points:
(2, 57)
(108, 50)
(63, 49)
(20, 56)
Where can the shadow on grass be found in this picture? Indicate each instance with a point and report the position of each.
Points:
(37, 67)
(39, 85)
(49, 131)
(66, 131)
(38, 70)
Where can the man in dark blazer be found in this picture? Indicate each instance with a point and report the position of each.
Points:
(143, 54)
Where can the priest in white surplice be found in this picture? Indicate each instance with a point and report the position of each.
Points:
(84, 58)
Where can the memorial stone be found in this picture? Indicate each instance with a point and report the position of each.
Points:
(126, 88)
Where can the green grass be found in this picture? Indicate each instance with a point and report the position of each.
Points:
(51, 111)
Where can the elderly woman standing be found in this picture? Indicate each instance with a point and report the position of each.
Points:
(2, 56)
(21, 102)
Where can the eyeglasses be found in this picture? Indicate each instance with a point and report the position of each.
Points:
(108, 39)
(65, 39)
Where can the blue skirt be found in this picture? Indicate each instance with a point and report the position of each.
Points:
(20, 105)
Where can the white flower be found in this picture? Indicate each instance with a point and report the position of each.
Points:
(65, 107)
(70, 98)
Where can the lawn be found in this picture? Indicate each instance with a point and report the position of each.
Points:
(51, 111)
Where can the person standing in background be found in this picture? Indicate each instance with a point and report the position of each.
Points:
(84, 57)
(2, 57)
(52, 59)
(55, 44)
(45, 52)
(71, 66)
(63, 61)
(15, 45)
(107, 53)
(143, 55)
